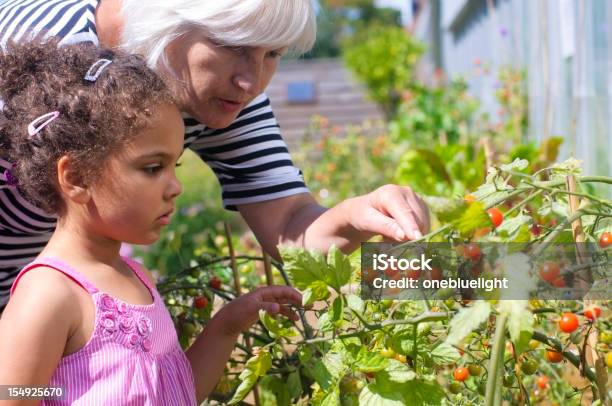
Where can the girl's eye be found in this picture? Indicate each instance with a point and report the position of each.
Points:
(152, 169)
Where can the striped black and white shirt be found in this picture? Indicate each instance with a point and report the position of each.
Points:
(249, 157)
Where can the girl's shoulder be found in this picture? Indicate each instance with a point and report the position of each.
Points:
(45, 291)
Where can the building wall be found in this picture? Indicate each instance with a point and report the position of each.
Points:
(339, 98)
(566, 48)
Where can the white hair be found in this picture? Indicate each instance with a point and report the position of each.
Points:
(150, 26)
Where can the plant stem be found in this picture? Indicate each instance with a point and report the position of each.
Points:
(496, 354)
(571, 357)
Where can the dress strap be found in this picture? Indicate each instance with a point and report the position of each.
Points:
(137, 268)
(60, 266)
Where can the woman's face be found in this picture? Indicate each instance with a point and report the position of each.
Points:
(216, 82)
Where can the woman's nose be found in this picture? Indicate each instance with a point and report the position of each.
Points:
(248, 79)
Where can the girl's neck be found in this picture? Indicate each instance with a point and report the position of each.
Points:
(72, 242)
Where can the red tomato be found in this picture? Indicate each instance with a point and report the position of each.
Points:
(200, 302)
(413, 274)
(536, 230)
(215, 283)
(605, 240)
(496, 216)
(472, 251)
(592, 312)
(554, 356)
(435, 274)
(549, 271)
(542, 381)
(368, 275)
(559, 282)
(568, 323)
(461, 374)
(391, 271)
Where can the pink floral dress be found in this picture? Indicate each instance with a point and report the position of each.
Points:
(133, 356)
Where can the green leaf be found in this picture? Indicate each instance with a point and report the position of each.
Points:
(303, 267)
(255, 367)
(355, 303)
(466, 320)
(337, 310)
(317, 290)
(339, 273)
(372, 395)
(435, 163)
(445, 354)
(294, 385)
(445, 209)
(418, 392)
(397, 372)
(473, 218)
(274, 327)
(510, 228)
(325, 322)
(520, 322)
(368, 361)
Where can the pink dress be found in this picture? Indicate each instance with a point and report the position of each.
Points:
(133, 356)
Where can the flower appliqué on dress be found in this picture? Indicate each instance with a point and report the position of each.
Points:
(119, 321)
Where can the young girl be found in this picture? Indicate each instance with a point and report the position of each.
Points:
(94, 137)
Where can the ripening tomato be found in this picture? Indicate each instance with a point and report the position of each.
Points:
(605, 240)
(461, 374)
(401, 358)
(536, 229)
(609, 359)
(542, 381)
(469, 199)
(554, 356)
(215, 283)
(568, 322)
(472, 251)
(435, 274)
(368, 275)
(200, 302)
(474, 369)
(592, 312)
(387, 353)
(549, 271)
(496, 216)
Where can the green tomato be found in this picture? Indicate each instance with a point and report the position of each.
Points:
(188, 329)
(387, 353)
(509, 380)
(455, 387)
(350, 384)
(529, 367)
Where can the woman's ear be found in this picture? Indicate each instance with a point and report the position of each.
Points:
(71, 182)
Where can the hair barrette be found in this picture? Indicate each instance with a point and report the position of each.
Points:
(33, 130)
(96, 69)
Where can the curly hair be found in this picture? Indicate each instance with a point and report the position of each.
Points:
(95, 118)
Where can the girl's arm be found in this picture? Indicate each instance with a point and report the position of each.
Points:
(34, 330)
(211, 350)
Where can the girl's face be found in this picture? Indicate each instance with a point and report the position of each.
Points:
(135, 196)
(216, 82)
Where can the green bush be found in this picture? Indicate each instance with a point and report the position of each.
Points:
(383, 58)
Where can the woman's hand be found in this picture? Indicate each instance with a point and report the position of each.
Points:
(395, 212)
(240, 314)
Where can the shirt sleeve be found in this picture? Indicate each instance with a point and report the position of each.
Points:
(249, 158)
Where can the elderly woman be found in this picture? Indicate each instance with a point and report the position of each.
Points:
(218, 57)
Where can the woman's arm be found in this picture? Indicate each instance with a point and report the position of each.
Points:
(34, 330)
(212, 349)
(394, 212)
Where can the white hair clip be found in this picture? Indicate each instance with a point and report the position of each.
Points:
(33, 130)
(96, 69)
